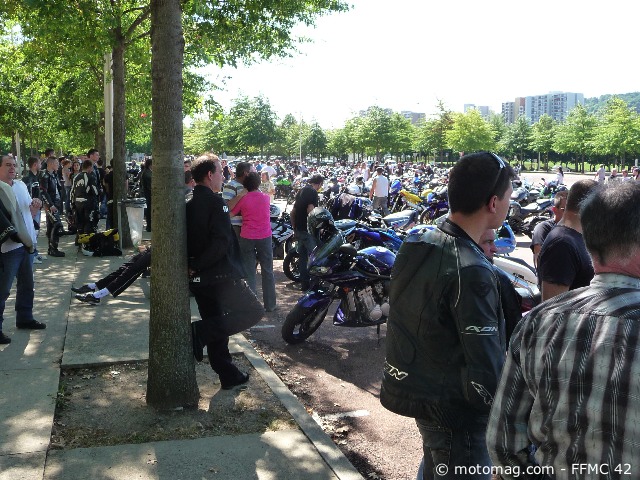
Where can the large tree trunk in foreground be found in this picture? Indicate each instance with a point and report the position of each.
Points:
(172, 378)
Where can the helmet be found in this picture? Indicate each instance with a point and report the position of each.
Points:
(354, 190)
(505, 239)
(274, 210)
(319, 221)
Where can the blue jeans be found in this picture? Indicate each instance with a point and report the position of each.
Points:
(18, 264)
(262, 252)
(449, 441)
(306, 244)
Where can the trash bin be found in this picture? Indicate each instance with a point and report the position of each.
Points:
(135, 214)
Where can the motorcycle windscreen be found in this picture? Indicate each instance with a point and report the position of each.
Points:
(321, 254)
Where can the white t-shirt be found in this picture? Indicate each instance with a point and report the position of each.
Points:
(382, 186)
(23, 200)
(270, 170)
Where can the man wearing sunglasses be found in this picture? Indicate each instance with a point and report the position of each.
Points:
(446, 333)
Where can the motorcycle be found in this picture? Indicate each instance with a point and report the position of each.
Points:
(282, 239)
(283, 187)
(524, 219)
(358, 279)
(358, 234)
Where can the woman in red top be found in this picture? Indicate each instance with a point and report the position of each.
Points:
(255, 238)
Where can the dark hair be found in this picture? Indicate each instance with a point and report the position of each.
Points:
(611, 220)
(148, 162)
(578, 192)
(48, 152)
(32, 161)
(188, 176)
(87, 164)
(202, 165)
(242, 168)
(475, 179)
(91, 152)
(561, 195)
(252, 181)
(316, 180)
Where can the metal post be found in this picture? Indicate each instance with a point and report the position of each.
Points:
(118, 206)
(18, 154)
(108, 109)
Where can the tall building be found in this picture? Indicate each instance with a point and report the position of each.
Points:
(512, 110)
(482, 109)
(555, 104)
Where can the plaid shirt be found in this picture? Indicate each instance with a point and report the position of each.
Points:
(229, 191)
(571, 384)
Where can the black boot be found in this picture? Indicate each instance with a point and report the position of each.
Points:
(54, 252)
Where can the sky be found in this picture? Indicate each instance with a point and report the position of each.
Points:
(409, 54)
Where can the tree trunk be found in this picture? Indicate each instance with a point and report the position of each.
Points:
(119, 134)
(172, 378)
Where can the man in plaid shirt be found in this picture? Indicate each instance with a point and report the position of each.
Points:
(570, 385)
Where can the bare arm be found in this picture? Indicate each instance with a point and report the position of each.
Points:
(536, 251)
(550, 290)
(292, 218)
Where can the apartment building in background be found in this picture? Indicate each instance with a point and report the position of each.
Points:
(482, 109)
(555, 104)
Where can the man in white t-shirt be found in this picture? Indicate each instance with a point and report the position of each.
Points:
(270, 170)
(17, 249)
(380, 191)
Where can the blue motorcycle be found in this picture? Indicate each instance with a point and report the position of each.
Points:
(360, 235)
(359, 279)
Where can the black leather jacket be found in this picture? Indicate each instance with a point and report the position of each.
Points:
(51, 188)
(212, 245)
(445, 336)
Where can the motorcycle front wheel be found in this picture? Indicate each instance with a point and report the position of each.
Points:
(290, 265)
(290, 244)
(302, 322)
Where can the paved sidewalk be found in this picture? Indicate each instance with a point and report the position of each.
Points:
(117, 331)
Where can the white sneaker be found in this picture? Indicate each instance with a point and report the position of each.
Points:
(40, 257)
(37, 259)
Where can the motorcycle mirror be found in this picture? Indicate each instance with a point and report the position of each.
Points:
(348, 249)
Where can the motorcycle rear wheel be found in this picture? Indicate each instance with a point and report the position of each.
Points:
(290, 265)
(301, 323)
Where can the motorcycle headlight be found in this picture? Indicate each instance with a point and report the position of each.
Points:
(319, 270)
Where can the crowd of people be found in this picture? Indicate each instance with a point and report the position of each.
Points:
(57, 186)
(491, 394)
(554, 398)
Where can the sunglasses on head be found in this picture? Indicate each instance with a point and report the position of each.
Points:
(501, 166)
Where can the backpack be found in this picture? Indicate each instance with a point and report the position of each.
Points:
(101, 244)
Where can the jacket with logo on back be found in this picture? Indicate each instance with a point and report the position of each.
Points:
(445, 336)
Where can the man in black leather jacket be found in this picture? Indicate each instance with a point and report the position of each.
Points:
(224, 299)
(446, 335)
(51, 190)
